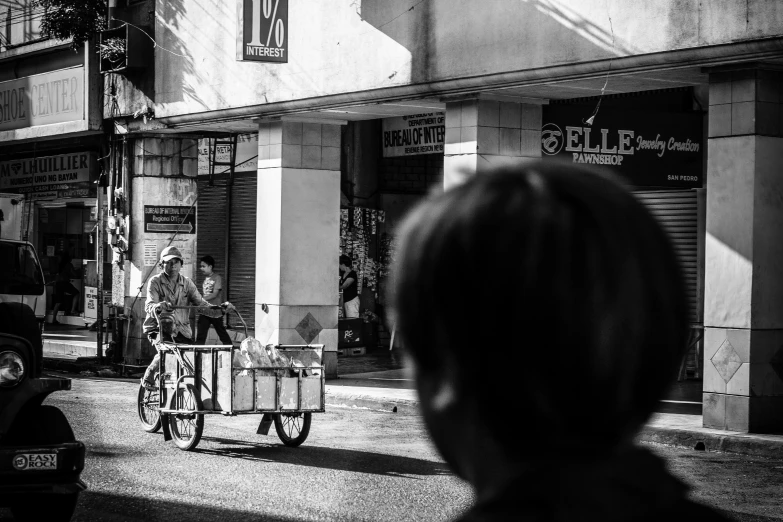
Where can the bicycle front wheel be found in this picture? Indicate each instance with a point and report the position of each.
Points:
(186, 428)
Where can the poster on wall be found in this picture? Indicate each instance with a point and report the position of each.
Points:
(50, 177)
(262, 32)
(246, 159)
(648, 149)
(414, 134)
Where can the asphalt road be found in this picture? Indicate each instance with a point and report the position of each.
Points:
(355, 465)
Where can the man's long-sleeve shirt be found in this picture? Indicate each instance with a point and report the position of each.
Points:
(179, 292)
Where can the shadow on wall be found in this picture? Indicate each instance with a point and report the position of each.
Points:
(449, 38)
(178, 86)
(134, 88)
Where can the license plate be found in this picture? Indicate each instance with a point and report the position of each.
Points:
(35, 461)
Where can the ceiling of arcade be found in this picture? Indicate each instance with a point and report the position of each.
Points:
(539, 91)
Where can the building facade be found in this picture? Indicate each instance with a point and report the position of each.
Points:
(357, 109)
(51, 144)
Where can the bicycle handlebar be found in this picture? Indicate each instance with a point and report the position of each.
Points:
(156, 313)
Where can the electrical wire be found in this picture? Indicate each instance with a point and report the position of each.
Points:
(589, 121)
(154, 43)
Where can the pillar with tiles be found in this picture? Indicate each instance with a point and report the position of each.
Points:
(743, 316)
(482, 133)
(297, 235)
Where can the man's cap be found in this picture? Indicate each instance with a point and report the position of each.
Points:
(170, 253)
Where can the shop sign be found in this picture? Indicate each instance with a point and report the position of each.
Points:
(91, 302)
(246, 158)
(42, 99)
(415, 134)
(648, 149)
(50, 177)
(263, 31)
(164, 219)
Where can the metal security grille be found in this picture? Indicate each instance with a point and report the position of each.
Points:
(211, 224)
(678, 213)
(242, 246)
(238, 239)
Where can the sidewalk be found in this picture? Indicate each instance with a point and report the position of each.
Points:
(378, 381)
(69, 341)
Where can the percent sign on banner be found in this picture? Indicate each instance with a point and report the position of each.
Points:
(264, 25)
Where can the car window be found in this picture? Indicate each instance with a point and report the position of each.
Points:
(20, 273)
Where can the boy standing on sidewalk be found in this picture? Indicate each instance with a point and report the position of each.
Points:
(212, 290)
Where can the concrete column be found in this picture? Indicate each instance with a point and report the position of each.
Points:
(743, 316)
(298, 235)
(485, 133)
(164, 173)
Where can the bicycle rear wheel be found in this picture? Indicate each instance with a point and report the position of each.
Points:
(148, 403)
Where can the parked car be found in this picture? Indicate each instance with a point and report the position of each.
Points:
(40, 459)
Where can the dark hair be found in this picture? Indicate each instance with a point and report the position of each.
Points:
(346, 260)
(551, 294)
(208, 260)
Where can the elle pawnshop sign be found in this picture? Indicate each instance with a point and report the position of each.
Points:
(648, 149)
(262, 32)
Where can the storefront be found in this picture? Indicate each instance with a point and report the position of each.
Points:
(655, 142)
(50, 138)
(226, 213)
(59, 214)
(393, 163)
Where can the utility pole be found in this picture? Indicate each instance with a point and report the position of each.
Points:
(100, 234)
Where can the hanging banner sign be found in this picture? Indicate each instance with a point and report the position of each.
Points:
(246, 159)
(50, 177)
(42, 99)
(165, 219)
(263, 31)
(649, 149)
(416, 134)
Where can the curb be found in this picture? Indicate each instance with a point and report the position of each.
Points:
(69, 364)
(372, 403)
(706, 441)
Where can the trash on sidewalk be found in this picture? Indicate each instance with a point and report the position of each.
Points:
(107, 373)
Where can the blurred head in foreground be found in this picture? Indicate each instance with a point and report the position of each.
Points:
(543, 310)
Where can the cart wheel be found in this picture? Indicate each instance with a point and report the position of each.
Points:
(149, 417)
(292, 428)
(186, 428)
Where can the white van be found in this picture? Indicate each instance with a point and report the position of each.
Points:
(21, 277)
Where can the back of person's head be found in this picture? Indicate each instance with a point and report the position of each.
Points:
(548, 299)
(346, 260)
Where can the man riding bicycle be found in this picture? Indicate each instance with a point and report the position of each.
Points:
(166, 292)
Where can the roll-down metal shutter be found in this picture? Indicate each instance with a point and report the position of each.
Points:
(242, 247)
(211, 225)
(677, 211)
